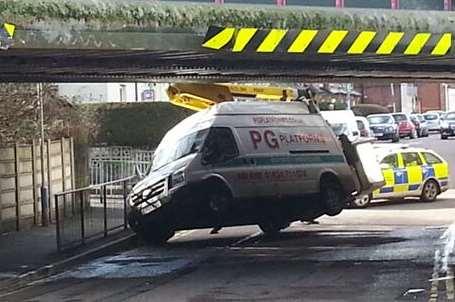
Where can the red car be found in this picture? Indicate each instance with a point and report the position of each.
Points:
(405, 125)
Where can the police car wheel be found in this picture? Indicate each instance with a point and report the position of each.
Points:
(430, 191)
(332, 196)
(361, 202)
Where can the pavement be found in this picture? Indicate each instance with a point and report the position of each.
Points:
(32, 254)
(393, 251)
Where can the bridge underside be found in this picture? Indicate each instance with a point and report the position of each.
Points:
(77, 41)
(124, 65)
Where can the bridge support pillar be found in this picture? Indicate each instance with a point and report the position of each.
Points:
(447, 4)
(281, 2)
(339, 3)
(219, 1)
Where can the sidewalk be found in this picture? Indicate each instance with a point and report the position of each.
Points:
(30, 254)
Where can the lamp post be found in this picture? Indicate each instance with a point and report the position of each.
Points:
(43, 189)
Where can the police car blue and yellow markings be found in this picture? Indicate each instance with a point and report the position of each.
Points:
(7, 30)
(323, 42)
(412, 178)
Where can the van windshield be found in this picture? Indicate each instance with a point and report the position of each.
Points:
(175, 148)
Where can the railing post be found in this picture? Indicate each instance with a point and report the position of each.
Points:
(57, 222)
(82, 217)
(339, 3)
(395, 4)
(104, 200)
(125, 205)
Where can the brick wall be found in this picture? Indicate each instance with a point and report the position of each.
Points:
(430, 96)
(381, 94)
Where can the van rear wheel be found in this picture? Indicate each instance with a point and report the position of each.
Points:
(331, 195)
(272, 227)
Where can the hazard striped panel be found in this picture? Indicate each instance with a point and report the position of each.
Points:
(323, 42)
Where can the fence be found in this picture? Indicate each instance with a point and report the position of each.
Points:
(20, 180)
(93, 212)
(108, 164)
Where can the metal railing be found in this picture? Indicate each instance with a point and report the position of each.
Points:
(93, 212)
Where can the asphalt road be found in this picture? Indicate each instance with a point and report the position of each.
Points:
(400, 251)
(389, 252)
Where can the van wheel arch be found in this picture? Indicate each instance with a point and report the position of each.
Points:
(219, 193)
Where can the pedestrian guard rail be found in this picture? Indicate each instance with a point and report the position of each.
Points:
(90, 213)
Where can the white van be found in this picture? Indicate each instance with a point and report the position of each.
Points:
(241, 163)
(342, 122)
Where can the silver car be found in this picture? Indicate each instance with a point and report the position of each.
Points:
(433, 121)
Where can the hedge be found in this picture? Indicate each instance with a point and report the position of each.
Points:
(116, 15)
(135, 124)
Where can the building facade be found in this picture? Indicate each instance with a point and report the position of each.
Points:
(114, 92)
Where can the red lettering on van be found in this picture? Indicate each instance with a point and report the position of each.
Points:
(270, 139)
(256, 138)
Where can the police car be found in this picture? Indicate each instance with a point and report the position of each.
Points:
(409, 172)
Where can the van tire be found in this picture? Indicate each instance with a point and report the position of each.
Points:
(331, 195)
(430, 191)
(219, 197)
(272, 227)
(158, 236)
(150, 233)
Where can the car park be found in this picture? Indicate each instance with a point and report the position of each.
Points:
(383, 127)
(406, 127)
(420, 124)
(448, 125)
(243, 163)
(433, 121)
(364, 126)
(409, 172)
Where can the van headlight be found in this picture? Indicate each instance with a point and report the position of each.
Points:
(177, 179)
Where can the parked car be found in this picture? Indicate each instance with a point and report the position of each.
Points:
(241, 163)
(433, 121)
(364, 126)
(409, 172)
(420, 124)
(448, 125)
(383, 127)
(342, 122)
(438, 112)
(406, 127)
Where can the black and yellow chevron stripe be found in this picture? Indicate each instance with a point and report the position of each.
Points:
(239, 40)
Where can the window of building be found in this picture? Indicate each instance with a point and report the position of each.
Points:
(411, 159)
(422, 4)
(122, 93)
(367, 3)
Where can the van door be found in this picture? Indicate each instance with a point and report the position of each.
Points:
(220, 156)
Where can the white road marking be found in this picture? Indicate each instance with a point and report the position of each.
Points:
(441, 266)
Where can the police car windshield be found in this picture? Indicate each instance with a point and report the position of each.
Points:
(173, 149)
(380, 119)
(450, 116)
